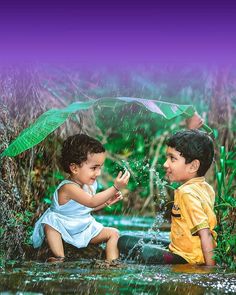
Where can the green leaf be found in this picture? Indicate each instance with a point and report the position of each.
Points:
(41, 128)
(54, 118)
(222, 151)
(232, 177)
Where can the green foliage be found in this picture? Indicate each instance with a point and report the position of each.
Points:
(54, 118)
(114, 209)
(225, 253)
(54, 178)
(2, 230)
(17, 220)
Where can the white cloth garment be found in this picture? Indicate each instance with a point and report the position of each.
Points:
(73, 220)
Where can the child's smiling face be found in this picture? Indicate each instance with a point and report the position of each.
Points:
(88, 171)
(176, 168)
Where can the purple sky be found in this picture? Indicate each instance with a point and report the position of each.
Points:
(114, 32)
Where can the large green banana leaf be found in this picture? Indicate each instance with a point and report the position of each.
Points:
(52, 119)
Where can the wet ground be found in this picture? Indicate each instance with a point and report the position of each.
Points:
(89, 276)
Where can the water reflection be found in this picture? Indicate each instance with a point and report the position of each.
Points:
(187, 268)
(84, 276)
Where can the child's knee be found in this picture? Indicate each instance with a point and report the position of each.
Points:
(47, 228)
(50, 230)
(115, 233)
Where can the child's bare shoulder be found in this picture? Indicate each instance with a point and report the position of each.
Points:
(68, 187)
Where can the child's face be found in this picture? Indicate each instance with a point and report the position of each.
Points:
(89, 170)
(176, 168)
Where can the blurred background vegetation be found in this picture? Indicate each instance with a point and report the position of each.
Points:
(132, 136)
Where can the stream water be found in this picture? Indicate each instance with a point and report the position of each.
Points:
(83, 276)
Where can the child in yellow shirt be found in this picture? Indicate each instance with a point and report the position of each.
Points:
(189, 156)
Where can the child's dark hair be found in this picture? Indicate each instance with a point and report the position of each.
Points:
(194, 144)
(75, 149)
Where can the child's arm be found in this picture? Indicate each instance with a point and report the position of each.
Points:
(116, 198)
(74, 192)
(207, 245)
(194, 122)
(99, 207)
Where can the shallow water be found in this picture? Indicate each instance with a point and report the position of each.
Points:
(85, 276)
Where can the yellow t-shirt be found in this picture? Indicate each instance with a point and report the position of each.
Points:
(192, 211)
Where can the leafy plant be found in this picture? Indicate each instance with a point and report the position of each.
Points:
(52, 119)
(225, 252)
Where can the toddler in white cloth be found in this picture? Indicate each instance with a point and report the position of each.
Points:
(69, 217)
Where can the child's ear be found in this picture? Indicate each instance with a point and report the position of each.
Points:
(195, 164)
(73, 168)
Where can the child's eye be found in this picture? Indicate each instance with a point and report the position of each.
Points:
(172, 159)
(96, 168)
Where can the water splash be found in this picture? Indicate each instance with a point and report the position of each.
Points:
(154, 230)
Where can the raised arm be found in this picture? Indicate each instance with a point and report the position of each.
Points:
(195, 122)
(74, 192)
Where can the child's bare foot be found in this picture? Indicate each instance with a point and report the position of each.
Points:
(55, 259)
(116, 263)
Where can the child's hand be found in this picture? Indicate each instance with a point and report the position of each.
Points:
(116, 198)
(194, 122)
(122, 180)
